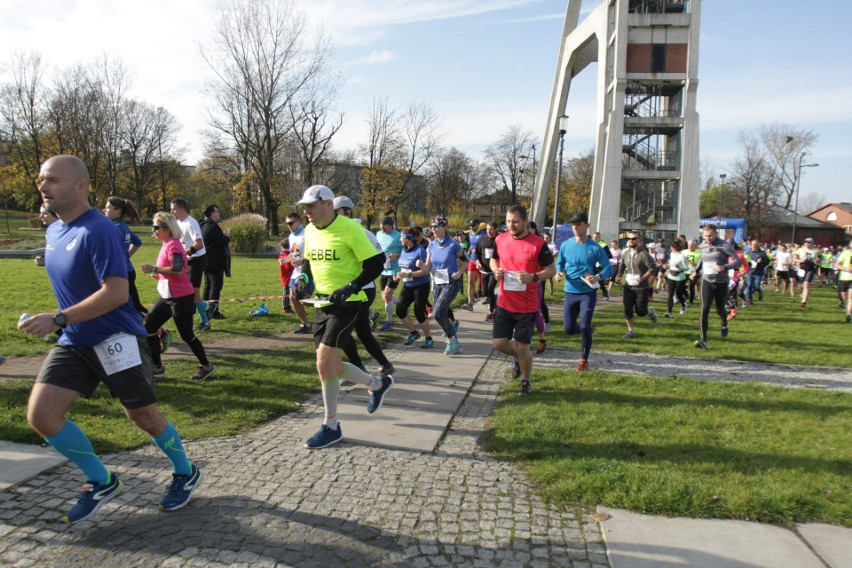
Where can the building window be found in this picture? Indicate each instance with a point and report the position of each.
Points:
(831, 216)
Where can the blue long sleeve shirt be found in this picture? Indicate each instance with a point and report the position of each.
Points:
(578, 259)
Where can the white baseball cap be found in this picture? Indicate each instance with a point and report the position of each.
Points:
(342, 201)
(316, 193)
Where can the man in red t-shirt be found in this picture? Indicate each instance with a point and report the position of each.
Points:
(520, 261)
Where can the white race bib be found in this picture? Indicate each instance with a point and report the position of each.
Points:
(440, 276)
(488, 253)
(512, 282)
(163, 288)
(632, 279)
(801, 272)
(118, 352)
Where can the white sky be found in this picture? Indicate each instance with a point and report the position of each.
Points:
(484, 65)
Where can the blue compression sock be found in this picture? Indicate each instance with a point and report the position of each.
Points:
(201, 308)
(169, 441)
(72, 443)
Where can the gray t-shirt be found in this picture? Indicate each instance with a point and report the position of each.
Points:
(718, 253)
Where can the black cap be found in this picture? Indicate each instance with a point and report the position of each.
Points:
(387, 220)
(579, 217)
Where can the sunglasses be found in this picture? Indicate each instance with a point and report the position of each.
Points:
(289, 223)
(436, 226)
(158, 227)
(632, 238)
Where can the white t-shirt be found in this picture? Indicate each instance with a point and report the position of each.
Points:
(783, 260)
(191, 232)
(297, 246)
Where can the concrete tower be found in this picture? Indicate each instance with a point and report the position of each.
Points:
(646, 154)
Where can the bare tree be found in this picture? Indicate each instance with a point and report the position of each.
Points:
(785, 147)
(506, 161)
(810, 202)
(24, 121)
(753, 183)
(452, 175)
(314, 126)
(262, 60)
(148, 136)
(109, 80)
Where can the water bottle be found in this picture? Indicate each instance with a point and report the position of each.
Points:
(25, 316)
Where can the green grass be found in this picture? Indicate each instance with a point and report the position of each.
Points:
(775, 330)
(682, 447)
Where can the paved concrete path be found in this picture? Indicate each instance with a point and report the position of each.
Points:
(408, 486)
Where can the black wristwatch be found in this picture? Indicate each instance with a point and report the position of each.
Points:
(535, 277)
(60, 320)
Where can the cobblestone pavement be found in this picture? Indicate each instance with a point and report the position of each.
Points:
(266, 501)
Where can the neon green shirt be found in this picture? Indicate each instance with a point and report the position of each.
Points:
(845, 260)
(336, 254)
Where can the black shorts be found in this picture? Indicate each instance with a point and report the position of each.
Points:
(844, 286)
(512, 325)
(809, 276)
(783, 275)
(195, 270)
(80, 370)
(388, 282)
(334, 325)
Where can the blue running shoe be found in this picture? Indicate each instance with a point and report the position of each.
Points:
(428, 344)
(453, 347)
(377, 397)
(724, 331)
(526, 388)
(456, 327)
(412, 337)
(180, 490)
(699, 344)
(94, 495)
(324, 437)
(387, 326)
(516, 368)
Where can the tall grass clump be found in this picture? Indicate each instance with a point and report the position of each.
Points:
(248, 232)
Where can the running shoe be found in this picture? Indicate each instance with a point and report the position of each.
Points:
(377, 397)
(453, 347)
(490, 316)
(159, 372)
(724, 331)
(303, 329)
(542, 346)
(583, 365)
(547, 328)
(683, 310)
(669, 315)
(760, 296)
(516, 368)
(804, 304)
(287, 310)
(412, 337)
(166, 340)
(652, 313)
(606, 297)
(324, 437)
(745, 304)
(374, 320)
(456, 327)
(94, 495)
(217, 315)
(387, 369)
(387, 326)
(203, 327)
(629, 335)
(204, 372)
(428, 344)
(467, 306)
(179, 492)
(699, 344)
(526, 388)
(848, 318)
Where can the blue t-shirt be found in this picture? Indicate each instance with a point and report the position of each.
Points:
(78, 257)
(444, 257)
(408, 261)
(578, 259)
(474, 239)
(128, 238)
(391, 245)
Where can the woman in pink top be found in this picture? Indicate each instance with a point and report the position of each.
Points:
(177, 297)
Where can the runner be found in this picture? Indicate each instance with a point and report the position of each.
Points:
(636, 268)
(717, 258)
(808, 258)
(193, 242)
(758, 263)
(844, 285)
(415, 288)
(444, 259)
(577, 260)
(474, 279)
(87, 267)
(299, 288)
(783, 261)
(389, 239)
(693, 257)
(521, 261)
(484, 252)
(676, 268)
(340, 259)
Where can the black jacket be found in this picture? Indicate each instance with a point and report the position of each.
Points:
(216, 243)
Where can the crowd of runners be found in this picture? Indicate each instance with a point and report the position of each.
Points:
(332, 264)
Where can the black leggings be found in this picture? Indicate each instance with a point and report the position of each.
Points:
(134, 292)
(713, 292)
(545, 311)
(365, 334)
(214, 279)
(182, 311)
(419, 296)
(679, 287)
(489, 284)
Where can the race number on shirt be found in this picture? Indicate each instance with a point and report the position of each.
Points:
(441, 276)
(488, 253)
(512, 282)
(163, 288)
(118, 352)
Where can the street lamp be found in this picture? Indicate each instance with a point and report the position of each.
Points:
(563, 123)
(533, 165)
(721, 189)
(798, 185)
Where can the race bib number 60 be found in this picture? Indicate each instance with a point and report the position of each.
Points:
(118, 352)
